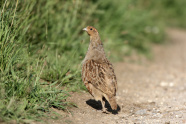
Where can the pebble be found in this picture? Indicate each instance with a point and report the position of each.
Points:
(163, 84)
(159, 115)
(150, 101)
(168, 122)
(158, 110)
(178, 114)
(171, 84)
(171, 113)
(176, 108)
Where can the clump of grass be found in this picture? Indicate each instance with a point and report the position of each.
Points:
(23, 96)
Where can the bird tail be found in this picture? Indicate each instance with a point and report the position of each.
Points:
(113, 103)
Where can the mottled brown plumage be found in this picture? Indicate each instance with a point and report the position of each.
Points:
(97, 72)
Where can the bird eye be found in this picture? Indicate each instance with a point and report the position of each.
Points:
(90, 28)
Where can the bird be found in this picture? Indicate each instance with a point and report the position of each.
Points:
(98, 73)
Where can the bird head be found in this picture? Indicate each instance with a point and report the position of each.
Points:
(91, 30)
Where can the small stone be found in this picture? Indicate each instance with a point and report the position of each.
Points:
(159, 115)
(176, 108)
(149, 100)
(171, 113)
(171, 84)
(163, 84)
(168, 122)
(158, 110)
(178, 116)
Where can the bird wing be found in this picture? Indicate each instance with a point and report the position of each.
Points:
(101, 76)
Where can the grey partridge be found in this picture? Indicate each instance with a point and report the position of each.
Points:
(98, 73)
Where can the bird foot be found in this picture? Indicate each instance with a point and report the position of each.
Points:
(105, 111)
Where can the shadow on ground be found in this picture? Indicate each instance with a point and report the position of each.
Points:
(97, 105)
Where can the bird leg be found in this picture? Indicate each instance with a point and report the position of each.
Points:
(103, 107)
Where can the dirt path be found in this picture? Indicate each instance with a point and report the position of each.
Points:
(149, 91)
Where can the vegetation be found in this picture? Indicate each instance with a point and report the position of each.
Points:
(42, 46)
(169, 12)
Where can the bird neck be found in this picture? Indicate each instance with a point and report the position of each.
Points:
(95, 50)
(95, 42)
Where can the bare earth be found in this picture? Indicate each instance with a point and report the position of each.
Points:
(149, 92)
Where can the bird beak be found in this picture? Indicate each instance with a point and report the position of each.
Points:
(85, 29)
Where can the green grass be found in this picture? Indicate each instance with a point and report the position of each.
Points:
(169, 12)
(42, 46)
